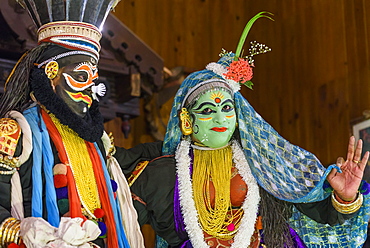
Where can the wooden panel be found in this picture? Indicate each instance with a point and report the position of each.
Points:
(312, 84)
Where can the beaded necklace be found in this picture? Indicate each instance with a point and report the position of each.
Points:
(220, 220)
(81, 166)
(193, 227)
(114, 236)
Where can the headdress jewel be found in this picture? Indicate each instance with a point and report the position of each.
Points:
(240, 70)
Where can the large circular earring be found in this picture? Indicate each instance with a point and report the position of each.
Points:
(51, 69)
(185, 122)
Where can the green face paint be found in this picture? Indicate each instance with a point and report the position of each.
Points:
(214, 118)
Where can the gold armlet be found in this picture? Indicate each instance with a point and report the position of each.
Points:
(10, 133)
(9, 231)
(348, 208)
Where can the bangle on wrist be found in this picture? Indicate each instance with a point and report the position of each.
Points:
(4, 230)
(340, 200)
(347, 208)
(13, 234)
(9, 231)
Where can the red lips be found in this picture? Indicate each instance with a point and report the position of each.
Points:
(219, 129)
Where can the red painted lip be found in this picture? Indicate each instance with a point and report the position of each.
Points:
(219, 129)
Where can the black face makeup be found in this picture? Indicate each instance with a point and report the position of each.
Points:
(74, 83)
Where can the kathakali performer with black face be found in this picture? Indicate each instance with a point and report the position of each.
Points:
(60, 185)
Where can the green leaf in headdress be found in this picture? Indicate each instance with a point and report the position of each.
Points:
(246, 31)
(249, 84)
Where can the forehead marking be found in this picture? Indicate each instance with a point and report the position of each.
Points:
(217, 96)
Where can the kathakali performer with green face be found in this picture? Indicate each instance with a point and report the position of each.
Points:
(230, 180)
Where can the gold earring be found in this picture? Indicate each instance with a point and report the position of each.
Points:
(185, 122)
(51, 69)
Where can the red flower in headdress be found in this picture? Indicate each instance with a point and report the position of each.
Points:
(240, 71)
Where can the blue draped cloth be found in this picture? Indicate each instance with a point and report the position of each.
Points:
(43, 160)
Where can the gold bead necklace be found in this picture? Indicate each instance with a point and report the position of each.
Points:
(220, 221)
(81, 166)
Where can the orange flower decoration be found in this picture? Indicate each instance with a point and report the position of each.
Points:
(240, 71)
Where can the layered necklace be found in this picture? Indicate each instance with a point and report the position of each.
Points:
(82, 168)
(197, 211)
